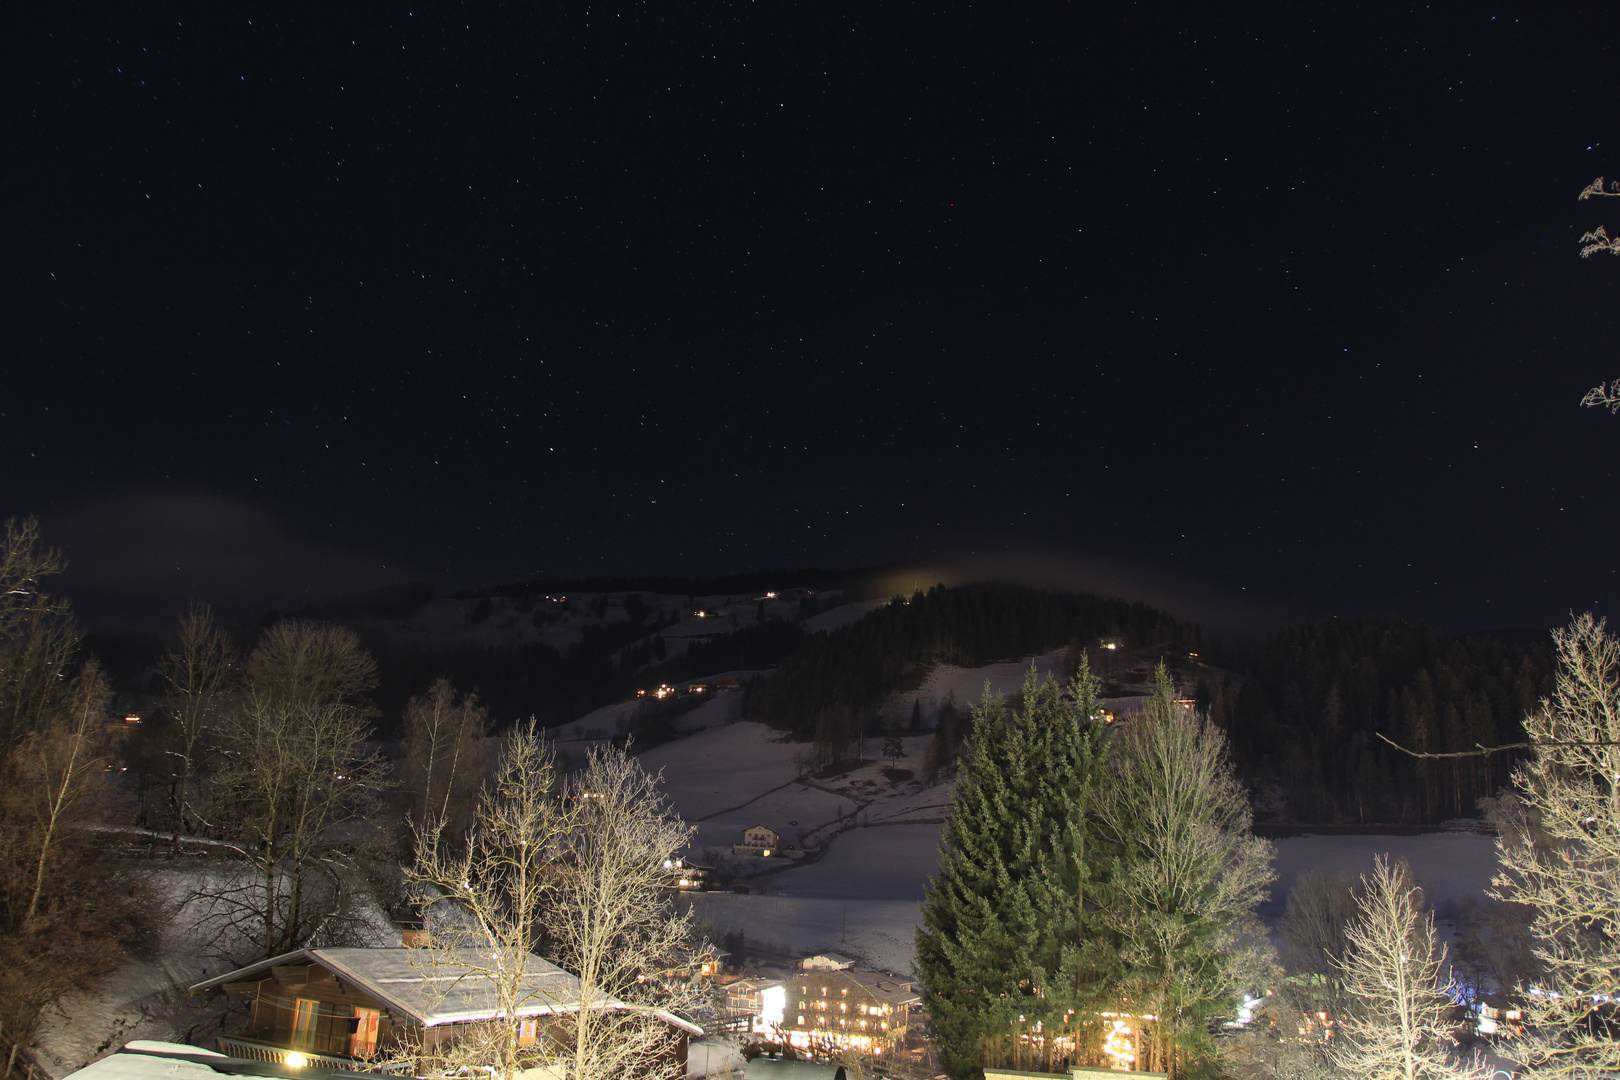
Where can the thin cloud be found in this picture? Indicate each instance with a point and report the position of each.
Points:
(138, 558)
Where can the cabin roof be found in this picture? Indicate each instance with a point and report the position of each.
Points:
(432, 988)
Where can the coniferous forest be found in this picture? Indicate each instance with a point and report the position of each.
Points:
(1306, 722)
(830, 687)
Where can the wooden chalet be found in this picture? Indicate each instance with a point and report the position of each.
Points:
(356, 1009)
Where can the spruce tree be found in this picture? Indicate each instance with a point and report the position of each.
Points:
(1190, 873)
(1012, 951)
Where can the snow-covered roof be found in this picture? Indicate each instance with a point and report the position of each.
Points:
(432, 988)
(148, 1059)
(828, 961)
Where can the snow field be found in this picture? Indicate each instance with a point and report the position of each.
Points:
(810, 807)
(967, 684)
(1449, 866)
(840, 616)
(723, 768)
(878, 862)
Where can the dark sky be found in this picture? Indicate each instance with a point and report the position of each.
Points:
(1278, 303)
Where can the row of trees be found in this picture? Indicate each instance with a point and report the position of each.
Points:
(1366, 956)
(1095, 875)
(65, 920)
(1310, 717)
(829, 690)
(1090, 874)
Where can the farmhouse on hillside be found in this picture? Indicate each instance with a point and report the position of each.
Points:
(759, 840)
(341, 1008)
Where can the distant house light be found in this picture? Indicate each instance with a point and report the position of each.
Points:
(770, 596)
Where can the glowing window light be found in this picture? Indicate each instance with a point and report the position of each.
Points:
(1119, 1045)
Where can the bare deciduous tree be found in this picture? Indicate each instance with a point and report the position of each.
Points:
(1395, 1028)
(1603, 395)
(37, 636)
(294, 790)
(65, 914)
(615, 924)
(580, 865)
(1559, 847)
(56, 767)
(443, 758)
(484, 894)
(199, 675)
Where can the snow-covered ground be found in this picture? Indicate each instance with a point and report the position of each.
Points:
(879, 862)
(965, 685)
(1449, 866)
(843, 615)
(880, 832)
(862, 896)
(723, 767)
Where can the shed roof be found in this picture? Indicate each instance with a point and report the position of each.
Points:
(432, 988)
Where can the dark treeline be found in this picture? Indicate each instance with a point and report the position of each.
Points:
(536, 680)
(824, 690)
(1309, 719)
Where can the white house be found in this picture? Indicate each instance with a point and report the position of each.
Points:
(759, 840)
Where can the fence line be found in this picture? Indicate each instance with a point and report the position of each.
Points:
(20, 1063)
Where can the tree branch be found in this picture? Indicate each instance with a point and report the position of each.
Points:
(1484, 751)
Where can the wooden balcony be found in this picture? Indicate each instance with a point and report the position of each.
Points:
(240, 1046)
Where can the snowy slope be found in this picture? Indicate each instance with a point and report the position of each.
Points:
(723, 767)
(966, 685)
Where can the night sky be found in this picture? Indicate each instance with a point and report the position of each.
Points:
(1278, 308)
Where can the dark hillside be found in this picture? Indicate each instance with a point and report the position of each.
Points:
(837, 675)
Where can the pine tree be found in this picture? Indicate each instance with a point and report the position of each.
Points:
(1189, 877)
(1011, 950)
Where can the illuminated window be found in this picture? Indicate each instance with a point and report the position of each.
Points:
(801, 1021)
(843, 1006)
(363, 1043)
(527, 1030)
(303, 1025)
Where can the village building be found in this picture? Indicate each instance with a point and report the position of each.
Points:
(845, 1009)
(346, 1008)
(754, 1005)
(687, 875)
(759, 840)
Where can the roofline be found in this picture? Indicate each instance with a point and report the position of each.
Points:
(236, 974)
(317, 956)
